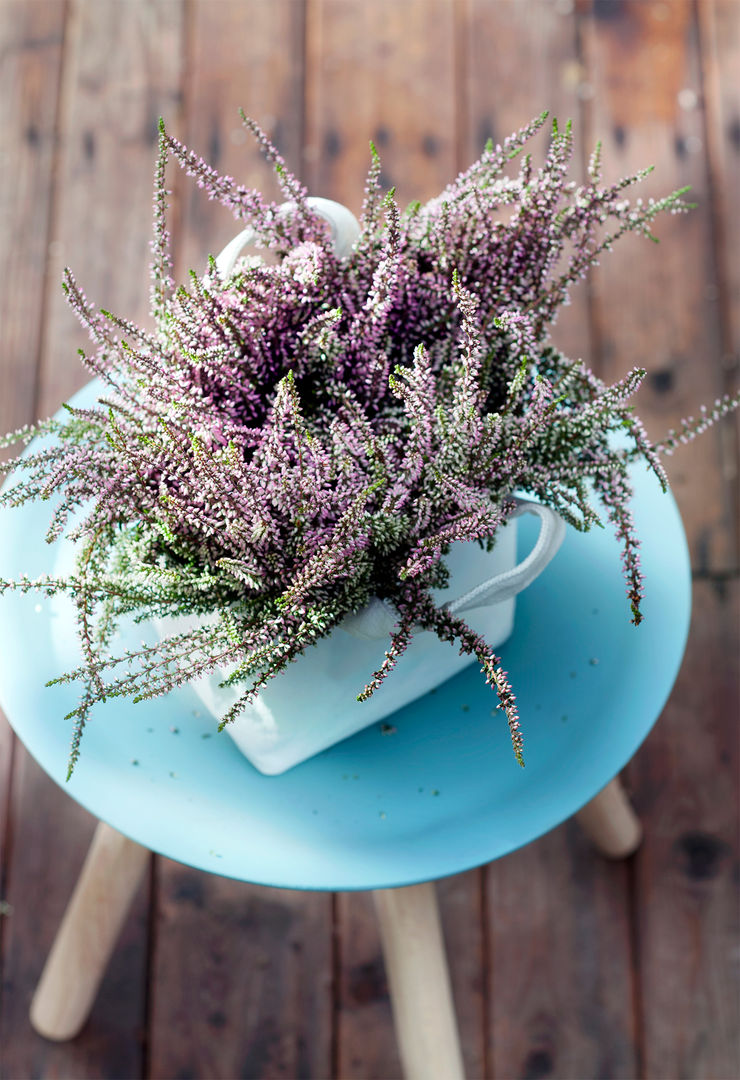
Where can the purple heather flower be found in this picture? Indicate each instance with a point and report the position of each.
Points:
(296, 437)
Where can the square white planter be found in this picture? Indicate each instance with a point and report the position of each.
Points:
(313, 703)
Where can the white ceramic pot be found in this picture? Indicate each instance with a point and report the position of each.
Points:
(312, 704)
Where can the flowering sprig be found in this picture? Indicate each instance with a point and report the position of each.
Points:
(297, 437)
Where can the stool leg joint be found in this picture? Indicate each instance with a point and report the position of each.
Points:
(610, 822)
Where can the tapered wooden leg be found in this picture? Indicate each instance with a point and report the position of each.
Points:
(610, 822)
(106, 886)
(419, 981)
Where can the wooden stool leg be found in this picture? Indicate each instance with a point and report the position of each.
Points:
(419, 982)
(74, 969)
(610, 822)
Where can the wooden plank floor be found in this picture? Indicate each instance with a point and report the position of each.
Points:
(563, 965)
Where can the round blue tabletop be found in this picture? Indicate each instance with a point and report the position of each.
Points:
(439, 794)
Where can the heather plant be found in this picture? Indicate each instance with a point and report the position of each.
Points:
(287, 442)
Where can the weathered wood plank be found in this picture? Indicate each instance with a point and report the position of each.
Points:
(518, 59)
(558, 947)
(31, 47)
(720, 56)
(365, 1039)
(561, 983)
(123, 72)
(249, 56)
(121, 65)
(462, 913)
(254, 998)
(687, 872)
(644, 71)
(685, 900)
(719, 28)
(31, 43)
(51, 834)
(241, 979)
(386, 72)
(7, 752)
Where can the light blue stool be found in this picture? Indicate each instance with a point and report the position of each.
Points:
(383, 812)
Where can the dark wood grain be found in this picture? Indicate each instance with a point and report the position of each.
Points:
(31, 38)
(719, 29)
(123, 69)
(121, 66)
(51, 834)
(384, 72)
(462, 913)
(684, 896)
(242, 980)
(558, 942)
(246, 56)
(561, 984)
(365, 1043)
(369, 76)
(242, 974)
(499, 43)
(643, 109)
(31, 48)
(687, 871)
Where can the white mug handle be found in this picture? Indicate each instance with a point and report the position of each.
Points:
(378, 618)
(345, 229)
(507, 584)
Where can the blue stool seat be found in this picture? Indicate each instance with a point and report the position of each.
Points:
(439, 793)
